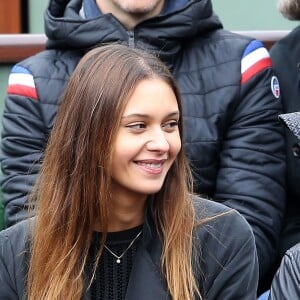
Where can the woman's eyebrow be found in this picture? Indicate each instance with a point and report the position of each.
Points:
(172, 114)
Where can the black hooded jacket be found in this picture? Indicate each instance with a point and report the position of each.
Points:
(232, 135)
(286, 61)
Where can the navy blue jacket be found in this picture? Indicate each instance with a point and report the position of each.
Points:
(286, 60)
(232, 134)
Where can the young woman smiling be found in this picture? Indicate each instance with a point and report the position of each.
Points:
(115, 215)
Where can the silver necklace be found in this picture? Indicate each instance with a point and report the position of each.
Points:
(120, 256)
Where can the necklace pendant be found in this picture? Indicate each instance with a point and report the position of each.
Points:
(118, 258)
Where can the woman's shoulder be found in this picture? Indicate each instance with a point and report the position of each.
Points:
(15, 237)
(222, 220)
(285, 284)
(18, 228)
(208, 207)
(14, 259)
(225, 246)
(293, 255)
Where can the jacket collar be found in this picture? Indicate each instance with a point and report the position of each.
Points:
(164, 35)
(146, 281)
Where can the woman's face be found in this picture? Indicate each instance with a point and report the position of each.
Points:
(148, 140)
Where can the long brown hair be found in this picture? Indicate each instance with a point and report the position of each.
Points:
(73, 189)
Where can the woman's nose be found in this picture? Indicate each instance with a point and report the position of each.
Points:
(158, 142)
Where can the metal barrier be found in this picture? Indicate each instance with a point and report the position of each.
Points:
(15, 47)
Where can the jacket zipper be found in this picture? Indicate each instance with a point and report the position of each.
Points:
(131, 42)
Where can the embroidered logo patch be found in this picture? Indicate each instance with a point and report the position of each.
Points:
(275, 87)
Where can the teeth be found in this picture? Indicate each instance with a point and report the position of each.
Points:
(152, 166)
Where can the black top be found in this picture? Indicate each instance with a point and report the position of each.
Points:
(111, 278)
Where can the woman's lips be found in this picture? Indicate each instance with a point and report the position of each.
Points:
(154, 167)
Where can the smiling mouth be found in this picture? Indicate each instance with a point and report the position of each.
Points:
(151, 167)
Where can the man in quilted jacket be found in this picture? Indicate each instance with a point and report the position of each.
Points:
(231, 100)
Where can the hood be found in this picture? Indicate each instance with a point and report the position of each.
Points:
(164, 34)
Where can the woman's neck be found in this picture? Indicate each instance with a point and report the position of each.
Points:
(125, 218)
(125, 214)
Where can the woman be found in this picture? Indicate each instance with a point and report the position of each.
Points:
(115, 217)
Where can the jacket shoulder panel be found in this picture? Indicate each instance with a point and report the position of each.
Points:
(51, 69)
(227, 253)
(14, 260)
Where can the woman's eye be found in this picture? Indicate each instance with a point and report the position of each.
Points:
(171, 125)
(136, 126)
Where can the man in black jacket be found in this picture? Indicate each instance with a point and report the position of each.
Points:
(286, 282)
(230, 95)
(286, 60)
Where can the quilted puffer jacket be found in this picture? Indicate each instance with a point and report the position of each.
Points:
(231, 100)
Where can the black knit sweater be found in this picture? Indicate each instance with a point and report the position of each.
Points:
(111, 278)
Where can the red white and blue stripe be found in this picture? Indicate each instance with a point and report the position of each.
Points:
(21, 82)
(255, 59)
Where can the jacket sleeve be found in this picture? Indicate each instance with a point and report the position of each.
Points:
(236, 263)
(7, 289)
(13, 263)
(23, 140)
(251, 178)
(286, 282)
